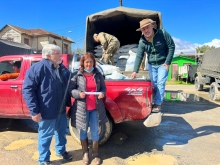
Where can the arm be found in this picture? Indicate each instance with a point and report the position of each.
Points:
(171, 47)
(72, 90)
(139, 57)
(31, 82)
(103, 41)
(7, 76)
(102, 87)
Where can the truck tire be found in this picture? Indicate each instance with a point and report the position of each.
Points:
(198, 86)
(105, 131)
(214, 92)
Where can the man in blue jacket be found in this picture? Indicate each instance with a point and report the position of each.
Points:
(159, 46)
(43, 90)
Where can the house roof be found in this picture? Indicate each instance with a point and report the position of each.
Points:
(11, 48)
(185, 57)
(37, 32)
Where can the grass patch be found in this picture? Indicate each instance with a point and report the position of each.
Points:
(175, 82)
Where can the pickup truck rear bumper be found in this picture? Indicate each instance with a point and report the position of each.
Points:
(154, 119)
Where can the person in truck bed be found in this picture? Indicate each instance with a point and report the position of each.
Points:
(110, 45)
(160, 50)
(16, 68)
(44, 93)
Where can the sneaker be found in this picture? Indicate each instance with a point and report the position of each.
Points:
(156, 108)
(47, 163)
(66, 156)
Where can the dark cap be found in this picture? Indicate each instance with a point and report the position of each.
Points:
(17, 64)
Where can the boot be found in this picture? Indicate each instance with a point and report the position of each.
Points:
(95, 146)
(85, 149)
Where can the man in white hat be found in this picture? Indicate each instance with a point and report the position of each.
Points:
(110, 45)
(159, 46)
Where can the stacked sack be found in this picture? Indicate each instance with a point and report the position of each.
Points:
(130, 62)
(124, 58)
(98, 51)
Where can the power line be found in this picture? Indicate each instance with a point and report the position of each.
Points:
(70, 27)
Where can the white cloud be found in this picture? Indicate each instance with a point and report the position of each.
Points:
(184, 46)
(189, 48)
(215, 43)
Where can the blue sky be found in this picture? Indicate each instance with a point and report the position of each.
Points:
(191, 23)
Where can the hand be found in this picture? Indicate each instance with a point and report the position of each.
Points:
(167, 66)
(101, 95)
(36, 118)
(82, 95)
(133, 75)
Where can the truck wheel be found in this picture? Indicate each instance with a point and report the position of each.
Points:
(105, 131)
(214, 92)
(198, 86)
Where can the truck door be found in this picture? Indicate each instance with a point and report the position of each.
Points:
(10, 88)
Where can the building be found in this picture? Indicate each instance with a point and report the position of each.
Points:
(36, 38)
(181, 66)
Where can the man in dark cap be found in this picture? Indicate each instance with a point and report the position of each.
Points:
(16, 67)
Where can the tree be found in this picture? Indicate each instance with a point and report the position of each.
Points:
(78, 51)
(204, 48)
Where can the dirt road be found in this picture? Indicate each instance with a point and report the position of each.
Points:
(188, 135)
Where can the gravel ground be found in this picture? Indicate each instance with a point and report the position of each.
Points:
(188, 135)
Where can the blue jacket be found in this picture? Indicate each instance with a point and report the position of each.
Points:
(39, 89)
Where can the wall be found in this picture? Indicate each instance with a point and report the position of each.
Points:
(36, 42)
(180, 61)
(10, 34)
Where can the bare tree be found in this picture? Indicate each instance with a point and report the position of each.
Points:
(79, 51)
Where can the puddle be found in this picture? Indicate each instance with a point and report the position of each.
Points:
(19, 144)
(158, 159)
(183, 97)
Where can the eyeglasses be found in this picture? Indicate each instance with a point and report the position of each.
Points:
(56, 54)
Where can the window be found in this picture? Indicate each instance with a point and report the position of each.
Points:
(26, 41)
(65, 49)
(9, 69)
(34, 62)
(54, 42)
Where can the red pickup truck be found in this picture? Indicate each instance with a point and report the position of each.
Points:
(126, 100)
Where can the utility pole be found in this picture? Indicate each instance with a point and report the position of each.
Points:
(120, 2)
(62, 44)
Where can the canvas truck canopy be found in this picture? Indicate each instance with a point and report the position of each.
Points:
(13, 48)
(211, 60)
(121, 22)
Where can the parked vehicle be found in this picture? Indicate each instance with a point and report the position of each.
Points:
(208, 72)
(126, 100)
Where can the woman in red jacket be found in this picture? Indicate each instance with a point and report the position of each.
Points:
(88, 89)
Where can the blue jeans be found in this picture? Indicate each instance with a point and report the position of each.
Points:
(158, 75)
(92, 121)
(46, 130)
